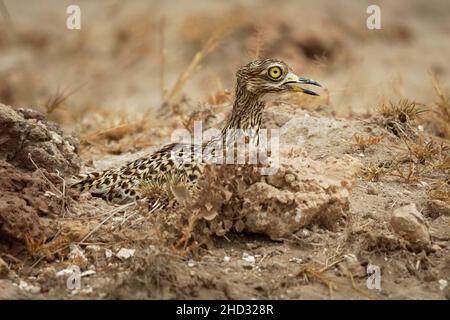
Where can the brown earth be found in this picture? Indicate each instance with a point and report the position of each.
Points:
(360, 183)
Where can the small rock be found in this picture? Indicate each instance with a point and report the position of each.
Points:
(125, 253)
(443, 284)
(108, 253)
(226, 259)
(191, 263)
(93, 248)
(296, 260)
(248, 259)
(372, 190)
(435, 248)
(305, 233)
(28, 287)
(64, 272)
(407, 222)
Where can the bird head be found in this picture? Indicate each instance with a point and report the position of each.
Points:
(272, 76)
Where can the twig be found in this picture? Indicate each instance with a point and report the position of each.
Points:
(63, 200)
(43, 175)
(155, 206)
(112, 213)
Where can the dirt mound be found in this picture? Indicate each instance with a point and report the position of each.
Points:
(26, 207)
(34, 155)
(26, 133)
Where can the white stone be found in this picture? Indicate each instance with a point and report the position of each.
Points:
(108, 253)
(248, 258)
(125, 253)
(443, 284)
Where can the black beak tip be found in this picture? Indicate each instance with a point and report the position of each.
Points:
(312, 93)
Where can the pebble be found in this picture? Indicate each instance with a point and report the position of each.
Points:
(125, 253)
(372, 190)
(29, 287)
(108, 253)
(443, 284)
(191, 263)
(409, 223)
(248, 258)
(296, 260)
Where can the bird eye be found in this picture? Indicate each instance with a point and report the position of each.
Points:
(275, 73)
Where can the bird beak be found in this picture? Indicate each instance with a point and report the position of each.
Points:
(293, 82)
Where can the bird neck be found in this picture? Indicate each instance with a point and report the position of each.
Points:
(247, 111)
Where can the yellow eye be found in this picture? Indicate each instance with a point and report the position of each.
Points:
(275, 72)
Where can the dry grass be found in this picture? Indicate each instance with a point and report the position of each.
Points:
(373, 172)
(57, 99)
(441, 191)
(439, 119)
(211, 44)
(362, 143)
(422, 151)
(399, 117)
(403, 111)
(311, 272)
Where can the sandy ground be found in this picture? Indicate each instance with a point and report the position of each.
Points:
(113, 65)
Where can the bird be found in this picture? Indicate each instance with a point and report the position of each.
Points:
(256, 81)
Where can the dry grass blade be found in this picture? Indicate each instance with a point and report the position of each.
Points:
(311, 272)
(59, 192)
(188, 230)
(258, 43)
(110, 215)
(441, 191)
(210, 45)
(55, 100)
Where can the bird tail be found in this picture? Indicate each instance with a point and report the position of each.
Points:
(87, 182)
(109, 185)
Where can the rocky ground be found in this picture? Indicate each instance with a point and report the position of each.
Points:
(363, 178)
(309, 231)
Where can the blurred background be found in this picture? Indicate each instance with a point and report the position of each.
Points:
(132, 56)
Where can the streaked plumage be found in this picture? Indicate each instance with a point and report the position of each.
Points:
(254, 81)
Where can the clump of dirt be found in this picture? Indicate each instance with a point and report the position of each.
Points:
(26, 136)
(34, 156)
(27, 207)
